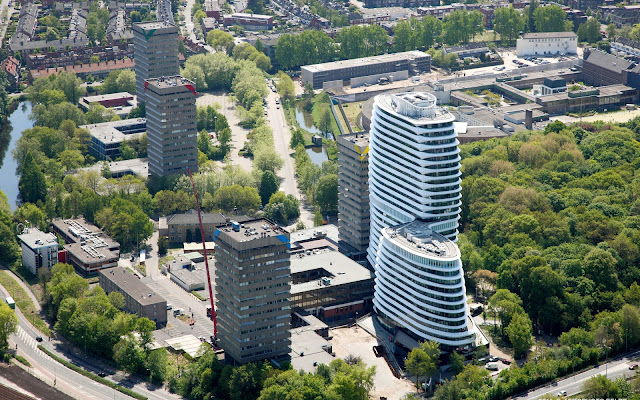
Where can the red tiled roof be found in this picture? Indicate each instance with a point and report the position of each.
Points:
(86, 68)
(11, 65)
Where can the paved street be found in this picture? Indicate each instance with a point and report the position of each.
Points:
(282, 138)
(573, 385)
(4, 5)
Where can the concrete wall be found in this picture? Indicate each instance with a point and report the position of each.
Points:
(361, 80)
(542, 47)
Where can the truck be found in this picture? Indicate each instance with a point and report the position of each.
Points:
(10, 302)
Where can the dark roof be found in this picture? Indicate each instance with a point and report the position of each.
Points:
(608, 61)
(191, 218)
(555, 82)
(131, 285)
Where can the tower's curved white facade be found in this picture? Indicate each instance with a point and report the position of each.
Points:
(414, 185)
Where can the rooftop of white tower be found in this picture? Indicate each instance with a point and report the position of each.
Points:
(417, 106)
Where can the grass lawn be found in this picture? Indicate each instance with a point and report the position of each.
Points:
(353, 112)
(23, 301)
(142, 269)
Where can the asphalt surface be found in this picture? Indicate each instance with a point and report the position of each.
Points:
(619, 367)
(282, 138)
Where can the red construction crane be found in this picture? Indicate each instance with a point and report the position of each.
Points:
(206, 260)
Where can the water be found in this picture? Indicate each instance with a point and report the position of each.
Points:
(18, 122)
(305, 120)
(318, 155)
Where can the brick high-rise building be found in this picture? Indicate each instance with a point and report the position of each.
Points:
(172, 135)
(253, 284)
(353, 195)
(155, 51)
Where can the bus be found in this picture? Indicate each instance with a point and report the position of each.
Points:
(11, 303)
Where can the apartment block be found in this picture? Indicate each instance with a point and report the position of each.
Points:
(172, 142)
(353, 195)
(253, 283)
(156, 52)
(39, 249)
(139, 299)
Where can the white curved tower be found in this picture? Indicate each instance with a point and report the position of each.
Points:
(414, 186)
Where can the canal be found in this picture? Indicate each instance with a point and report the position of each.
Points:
(18, 122)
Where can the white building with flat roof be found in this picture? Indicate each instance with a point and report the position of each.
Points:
(547, 44)
(39, 249)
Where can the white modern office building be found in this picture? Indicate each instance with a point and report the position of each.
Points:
(414, 185)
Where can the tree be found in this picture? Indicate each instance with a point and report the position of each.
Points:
(269, 185)
(599, 387)
(265, 158)
(423, 360)
(128, 354)
(32, 184)
(163, 245)
(8, 324)
(117, 300)
(71, 159)
(324, 124)
(285, 86)
(157, 364)
(599, 266)
(519, 333)
(327, 194)
(457, 362)
(220, 40)
(508, 23)
(550, 19)
(297, 138)
(589, 31)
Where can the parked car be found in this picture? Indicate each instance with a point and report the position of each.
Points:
(492, 366)
(505, 361)
(39, 339)
(493, 359)
(633, 366)
(101, 374)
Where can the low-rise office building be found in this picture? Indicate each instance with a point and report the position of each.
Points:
(600, 68)
(89, 249)
(250, 22)
(139, 299)
(330, 286)
(107, 137)
(356, 72)
(547, 44)
(39, 249)
(120, 103)
(185, 227)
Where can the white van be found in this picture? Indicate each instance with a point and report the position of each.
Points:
(492, 366)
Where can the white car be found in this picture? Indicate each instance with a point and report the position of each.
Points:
(562, 393)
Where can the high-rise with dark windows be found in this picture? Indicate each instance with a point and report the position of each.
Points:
(253, 285)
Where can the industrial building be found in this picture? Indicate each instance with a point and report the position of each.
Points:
(172, 135)
(415, 200)
(139, 299)
(156, 52)
(252, 290)
(89, 249)
(39, 249)
(353, 195)
(356, 72)
(330, 286)
(107, 137)
(547, 44)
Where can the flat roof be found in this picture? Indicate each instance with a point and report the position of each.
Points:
(107, 97)
(342, 269)
(88, 254)
(154, 25)
(306, 349)
(191, 277)
(365, 61)
(418, 106)
(261, 225)
(132, 286)
(169, 81)
(136, 166)
(544, 35)
(255, 16)
(358, 139)
(115, 131)
(329, 231)
(35, 238)
(419, 238)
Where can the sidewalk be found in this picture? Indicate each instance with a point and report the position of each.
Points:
(26, 288)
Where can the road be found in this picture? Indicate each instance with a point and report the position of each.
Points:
(188, 20)
(67, 380)
(573, 385)
(282, 138)
(4, 5)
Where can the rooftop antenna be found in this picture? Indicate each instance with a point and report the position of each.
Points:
(206, 260)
